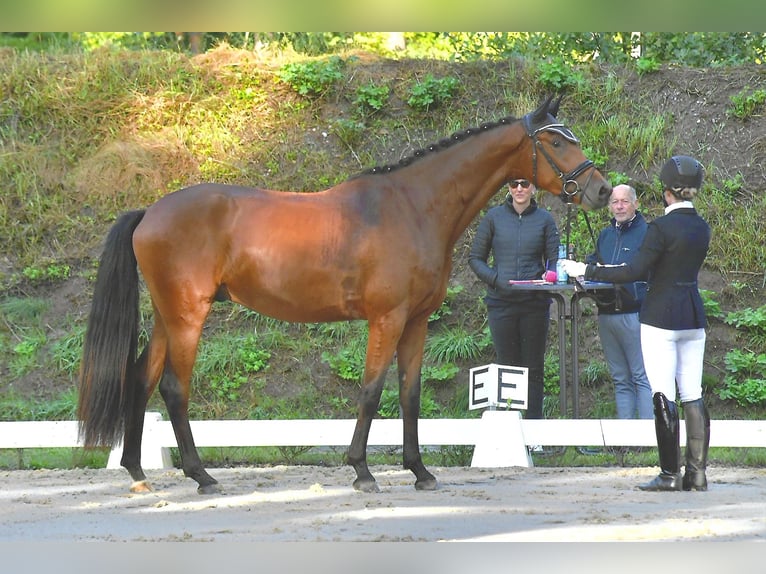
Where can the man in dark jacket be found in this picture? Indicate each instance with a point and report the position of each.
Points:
(521, 238)
(618, 325)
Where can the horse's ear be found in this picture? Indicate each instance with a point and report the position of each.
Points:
(554, 109)
(539, 115)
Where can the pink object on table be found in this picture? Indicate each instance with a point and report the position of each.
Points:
(550, 276)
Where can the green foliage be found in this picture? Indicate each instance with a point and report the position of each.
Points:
(729, 189)
(712, 307)
(698, 49)
(456, 344)
(551, 376)
(349, 359)
(445, 308)
(617, 178)
(752, 322)
(371, 98)
(746, 103)
(745, 382)
(555, 75)
(347, 363)
(644, 141)
(25, 353)
(22, 334)
(595, 373)
(21, 312)
(440, 372)
(67, 351)
(389, 404)
(431, 92)
(704, 49)
(737, 241)
(17, 408)
(596, 156)
(646, 66)
(51, 272)
(312, 78)
(349, 131)
(225, 362)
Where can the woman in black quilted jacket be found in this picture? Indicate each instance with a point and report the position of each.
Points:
(514, 241)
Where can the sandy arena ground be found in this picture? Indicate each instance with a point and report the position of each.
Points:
(309, 503)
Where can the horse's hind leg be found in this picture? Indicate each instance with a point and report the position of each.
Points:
(149, 370)
(174, 388)
(410, 358)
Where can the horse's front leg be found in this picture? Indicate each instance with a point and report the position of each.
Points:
(410, 359)
(380, 351)
(369, 399)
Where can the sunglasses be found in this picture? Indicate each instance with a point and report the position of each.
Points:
(519, 182)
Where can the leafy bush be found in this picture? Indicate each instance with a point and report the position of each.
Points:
(51, 272)
(347, 363)
(442, 372)
(646, 66)
(557, 76)
(313, 77)
(225, 363)
(746, 381)
(431, 92)
(371, 98)
(752, 322)
(745, 105)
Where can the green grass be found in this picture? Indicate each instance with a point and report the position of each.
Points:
(34, 458)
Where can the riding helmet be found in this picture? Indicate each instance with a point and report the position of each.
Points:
(681, 171)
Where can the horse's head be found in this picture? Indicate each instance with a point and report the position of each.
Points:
(567, 172)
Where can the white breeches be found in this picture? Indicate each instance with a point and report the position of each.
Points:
(674, 358)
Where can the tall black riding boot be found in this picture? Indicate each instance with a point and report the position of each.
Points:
(697, 442)
(666, 427)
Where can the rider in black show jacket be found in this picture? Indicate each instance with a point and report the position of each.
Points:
(673, 322)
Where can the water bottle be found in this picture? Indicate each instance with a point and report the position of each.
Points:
(561, 275)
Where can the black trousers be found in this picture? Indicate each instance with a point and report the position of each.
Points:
(519, 337)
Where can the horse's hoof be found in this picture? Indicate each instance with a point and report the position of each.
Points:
(140, 487)
(213, 488)
(427, 484)
(366, 485)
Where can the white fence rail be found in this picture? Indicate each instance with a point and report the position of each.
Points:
(500, 437)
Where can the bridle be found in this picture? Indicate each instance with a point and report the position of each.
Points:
(569, 185)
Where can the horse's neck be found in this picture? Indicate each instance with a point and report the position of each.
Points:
(456, 182)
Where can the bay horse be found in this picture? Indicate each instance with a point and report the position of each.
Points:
(377, 246)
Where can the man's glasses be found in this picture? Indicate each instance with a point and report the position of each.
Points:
(524, 183)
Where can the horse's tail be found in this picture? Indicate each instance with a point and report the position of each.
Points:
(107, 374)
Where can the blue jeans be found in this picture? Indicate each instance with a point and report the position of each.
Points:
(519, 339)
(621, 341)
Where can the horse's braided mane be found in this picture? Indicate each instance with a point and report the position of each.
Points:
(438, 146)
